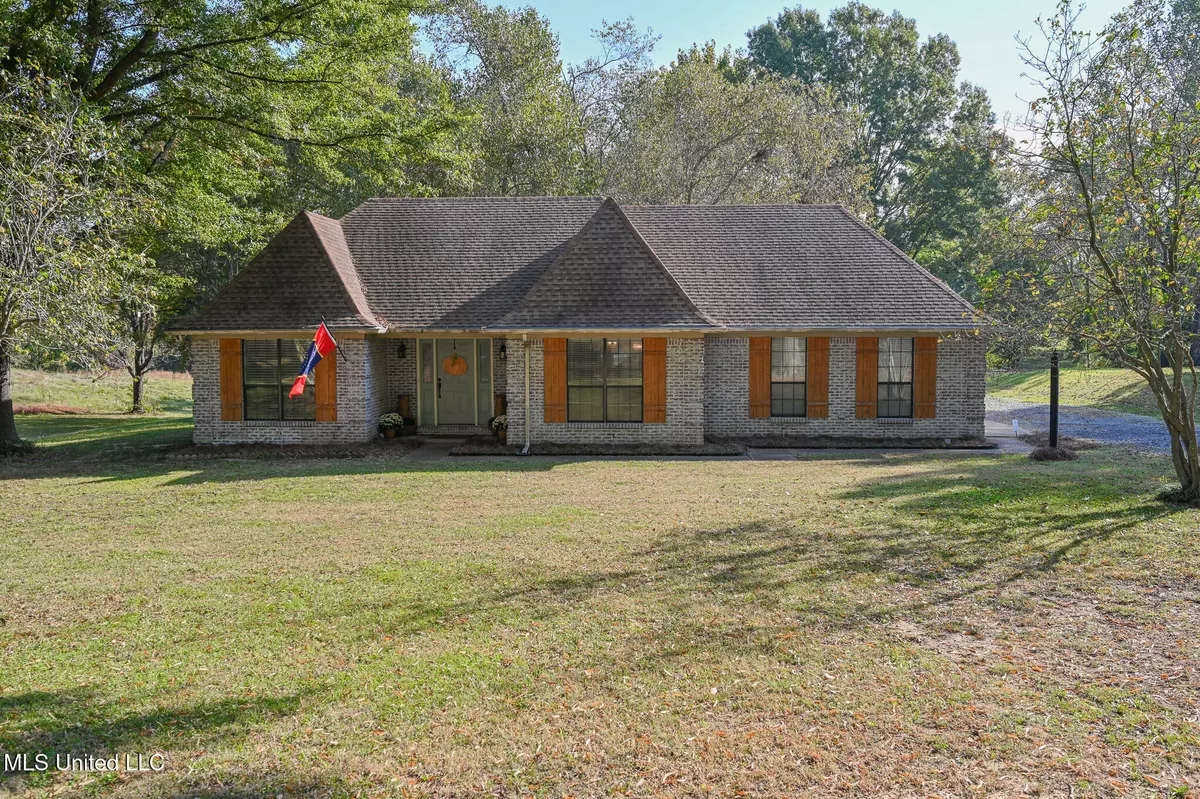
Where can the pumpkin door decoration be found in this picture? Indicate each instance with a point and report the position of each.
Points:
(454, 365)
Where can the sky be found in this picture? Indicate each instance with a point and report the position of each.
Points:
(983, 29)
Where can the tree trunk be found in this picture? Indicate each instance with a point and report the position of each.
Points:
(8, 420)
(137, 395)
(1186, 456)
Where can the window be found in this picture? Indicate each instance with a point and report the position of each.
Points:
(895, 378)
(789, 370)
(268, 370)
(604, 380)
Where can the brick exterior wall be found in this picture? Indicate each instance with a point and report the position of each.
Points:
(401, 372)
(685, 406)
(361, 373)
(960, 394)
(707, 395)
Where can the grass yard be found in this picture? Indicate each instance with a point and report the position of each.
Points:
(104, 392)
(907, 625)
(1108, 389)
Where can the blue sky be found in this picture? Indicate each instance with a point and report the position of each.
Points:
(983, 30)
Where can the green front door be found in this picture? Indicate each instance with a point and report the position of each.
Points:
(456, 365)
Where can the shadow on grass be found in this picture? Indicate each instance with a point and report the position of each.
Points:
(78, 722)
(929, 539)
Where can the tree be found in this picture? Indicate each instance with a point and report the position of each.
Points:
(244, 113)
(63, 206)
(1116, 137)
(145, 298)
(598, 84)
(689, 134)
(930, 146)
(336, 86)
(528, 134)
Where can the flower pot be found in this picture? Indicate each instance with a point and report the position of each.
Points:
(389, 433)
(502, 435)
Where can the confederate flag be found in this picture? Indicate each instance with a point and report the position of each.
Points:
(322, 345)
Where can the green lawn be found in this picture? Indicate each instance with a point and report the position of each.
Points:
(951, 624)
(1110, 389)
(104, 392)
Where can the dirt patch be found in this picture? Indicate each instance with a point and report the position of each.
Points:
(707, 448)
(488, 445)
(382, 448)
(56, 410)
(1053, 454)
(1042, 439)
(851, 442)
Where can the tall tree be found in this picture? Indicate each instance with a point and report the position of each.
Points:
(598, 84)
(64, 207)
(690, 135)
(528, 134)
(242, 113)
(930, 146)
(1117, 143)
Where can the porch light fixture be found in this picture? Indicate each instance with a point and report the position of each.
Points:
(503, 353)
(402, 350)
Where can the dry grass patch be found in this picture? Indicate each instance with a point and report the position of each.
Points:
(902, 625)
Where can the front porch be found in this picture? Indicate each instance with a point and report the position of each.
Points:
(448, 385)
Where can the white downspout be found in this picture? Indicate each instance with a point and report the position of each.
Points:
(525, 343)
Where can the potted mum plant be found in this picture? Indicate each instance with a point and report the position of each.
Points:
(389, 423)
(500, 427)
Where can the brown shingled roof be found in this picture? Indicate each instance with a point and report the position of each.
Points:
(303, 275)
(606, 277)
(544, 263)
(804, 266)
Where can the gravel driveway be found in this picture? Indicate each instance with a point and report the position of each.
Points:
(1111, 427)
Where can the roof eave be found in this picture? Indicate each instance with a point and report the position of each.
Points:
(273, 332)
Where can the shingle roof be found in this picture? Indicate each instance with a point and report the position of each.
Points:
(808, 266)
(582, 262)
(458, 264)
(303, 275)
(606, 277)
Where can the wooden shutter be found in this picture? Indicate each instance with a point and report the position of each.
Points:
(925, 377)
(866, 398)
(654, 380)
(554, 368)
(326, 389)
(760, 377)
(818, 377)
(231, 379)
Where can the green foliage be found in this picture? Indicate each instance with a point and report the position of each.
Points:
(67, 207)
(1115, 218)
(689, 134)
(527, 133)
(930, 147)
(244, 113)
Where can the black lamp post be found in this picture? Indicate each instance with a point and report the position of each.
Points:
(1054, 399)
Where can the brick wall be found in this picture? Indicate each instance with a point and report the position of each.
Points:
(685, 407)
(707, 394)
(401, 372)
(361, 374)
(960, 393)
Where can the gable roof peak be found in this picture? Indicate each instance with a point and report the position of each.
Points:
(606, 276)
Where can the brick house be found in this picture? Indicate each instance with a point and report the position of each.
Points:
(589, 323)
